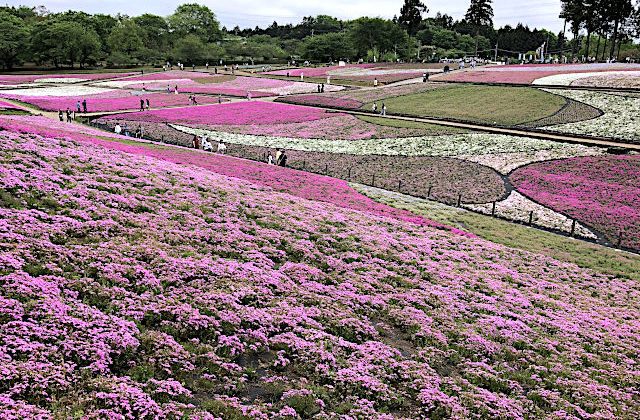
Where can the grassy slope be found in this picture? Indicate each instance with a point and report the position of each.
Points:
(436, 129)
(584, 254)
(486, 104)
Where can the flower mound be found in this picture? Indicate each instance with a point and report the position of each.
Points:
(133, 288)
(603, 192)
(239, 113)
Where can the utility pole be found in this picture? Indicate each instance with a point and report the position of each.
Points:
(496, 55)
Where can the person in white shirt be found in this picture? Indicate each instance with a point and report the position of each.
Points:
(270, 159)
(206, 144)
(222, 148)
(117, 129)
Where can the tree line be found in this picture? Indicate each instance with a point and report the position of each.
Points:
(193, 35)
(610, 22)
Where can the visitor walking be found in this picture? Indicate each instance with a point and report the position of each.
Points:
(148, 105)
(206, 144)
(193, 98)
(84, 106)
(141, 104)
(283, 159)
(374, 108)
(175, 90)
(222, 148)
(318, 88)
(375, 82)
(61, 115)
(425, 77)
(78, 106)
(168, 89)
(270, 158)
(248, 96)
(278, 156)
(328, 79)
(194, 142)
(384, 109)
(322, 89)
(117, 129)
(207, 66)
(68, 115)
(302, 77)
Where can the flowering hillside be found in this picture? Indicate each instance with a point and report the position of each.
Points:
(136, 288)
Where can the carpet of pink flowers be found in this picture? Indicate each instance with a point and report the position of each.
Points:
(136, 288)
(221, 85)
(527, 74)
(7, 106)
(603, 192)
(237, 113)
(11, 79)
(118, 100)
(300, 184)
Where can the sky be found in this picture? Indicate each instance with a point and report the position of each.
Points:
(249, 13)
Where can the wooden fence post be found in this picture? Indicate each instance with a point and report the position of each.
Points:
(493, 210)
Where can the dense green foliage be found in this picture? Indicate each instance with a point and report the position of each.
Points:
(193, 35)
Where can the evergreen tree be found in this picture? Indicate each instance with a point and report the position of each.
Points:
(411, 15)
(480, 13)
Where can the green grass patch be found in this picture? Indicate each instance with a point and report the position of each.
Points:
(389, 122)
(13, 112)
(482, 104)
(584, 254)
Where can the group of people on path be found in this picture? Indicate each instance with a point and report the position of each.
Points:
(203, 143)
(321, 88)
(69, 115)
(279, 160)
(383, 109)
(145, 104)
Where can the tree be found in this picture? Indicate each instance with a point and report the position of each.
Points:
(411, 15)
(14, 38)
(126, 42)
(194, 19)
(480, 13)
(327, 47)
(619, 12)
(379, 36)
(61, 41)
(189, 49)
(573, 12)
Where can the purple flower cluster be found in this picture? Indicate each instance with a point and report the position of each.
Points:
(131, 287)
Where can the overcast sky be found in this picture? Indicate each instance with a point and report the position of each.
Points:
(249, 13)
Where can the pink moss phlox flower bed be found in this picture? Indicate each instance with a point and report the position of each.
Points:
(318, 71)
(134, 288)
(172, 75)
(16, 79)
(119, 100)
(603, 192)
(7, 105)
(237, 113)
(297, 183)
(239, 86)
(515, 74)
